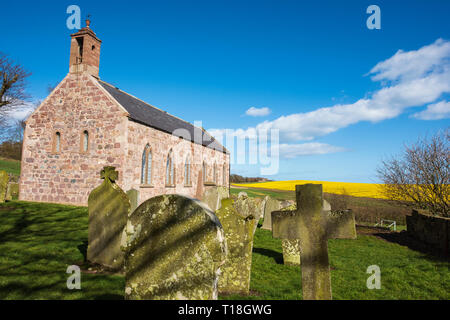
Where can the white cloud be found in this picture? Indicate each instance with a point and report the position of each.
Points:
(19, 111)
(258, 112)
(435, 111)
(408, 79)
(413, 64)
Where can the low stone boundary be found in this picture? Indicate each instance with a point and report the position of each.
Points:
(431, 230)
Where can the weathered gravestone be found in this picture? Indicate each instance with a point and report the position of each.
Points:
(108, 208)
(313, 226)
(133, 195)
(271, 205)
(247, 206)
(4, 178)
(213, 196)
(291, 248)
(238, 227)
(12, 192)
(174, 248)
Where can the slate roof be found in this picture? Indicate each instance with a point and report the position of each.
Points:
(151, 116)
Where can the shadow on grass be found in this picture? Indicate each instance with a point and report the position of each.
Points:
(404, 239)
(278, 257)
(83, 250)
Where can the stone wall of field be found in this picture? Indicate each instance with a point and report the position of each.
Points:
(429, 229)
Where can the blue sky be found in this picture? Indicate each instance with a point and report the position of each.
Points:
(211, 61)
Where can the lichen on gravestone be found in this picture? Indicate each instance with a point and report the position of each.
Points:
(239, 230)
(174, 249)
(108, 207)
(4, 178)
(313, 224)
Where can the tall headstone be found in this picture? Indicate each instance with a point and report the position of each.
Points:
(174, 249)
(4, 178)
(271, 205)
(313, 226)
(235, 277)
(133, 195)
(108, 207)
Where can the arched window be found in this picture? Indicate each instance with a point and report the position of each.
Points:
(170, 172)
(146, 173)
(215, 173)
(204, 171)
(187, 172)
(57, 142)
(224, 174)
(85, 141)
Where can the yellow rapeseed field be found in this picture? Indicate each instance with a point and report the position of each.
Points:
(370, 190)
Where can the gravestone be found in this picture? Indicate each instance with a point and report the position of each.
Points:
(108, 208)
(133, 195)
(174, 248)
(238, 228)
(291, 248)
(261, 205)
(313, 226)
(213, 197)
(271, 205)
(4, 178)
(12, 192)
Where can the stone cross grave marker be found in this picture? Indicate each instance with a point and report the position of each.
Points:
(4, 178)
(108, 207)
(313, 226)
(291, 248)
(174, 249)
(238, 227)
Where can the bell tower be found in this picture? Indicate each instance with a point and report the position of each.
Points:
(85, 51)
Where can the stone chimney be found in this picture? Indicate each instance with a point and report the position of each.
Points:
(85, 51)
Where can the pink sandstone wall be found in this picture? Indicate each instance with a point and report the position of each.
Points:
(79, 103)
(161, 143)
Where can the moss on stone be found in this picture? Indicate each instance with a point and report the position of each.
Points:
(108, 207)
(174, 247)
(238, 229)
(4, 178)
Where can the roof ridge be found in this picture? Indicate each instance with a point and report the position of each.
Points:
(202, 129)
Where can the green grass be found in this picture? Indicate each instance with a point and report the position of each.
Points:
(39, 241)
(255, 192)
(10, 166)
(37, 244)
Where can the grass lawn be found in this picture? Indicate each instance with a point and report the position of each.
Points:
(39, 241)
(10, 166)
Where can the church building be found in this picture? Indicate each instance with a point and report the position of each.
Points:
(86, 124)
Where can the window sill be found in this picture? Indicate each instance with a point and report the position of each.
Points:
(209, 183)
(188, 185)
(170, 186)
(143, 186)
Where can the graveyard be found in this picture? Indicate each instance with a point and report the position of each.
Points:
(201, 152)
(39, 240)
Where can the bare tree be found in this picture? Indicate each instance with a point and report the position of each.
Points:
(420, 176)
(12, 86)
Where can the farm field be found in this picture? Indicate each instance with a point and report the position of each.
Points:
(39, 241)
(368, 190)
(10, 166)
